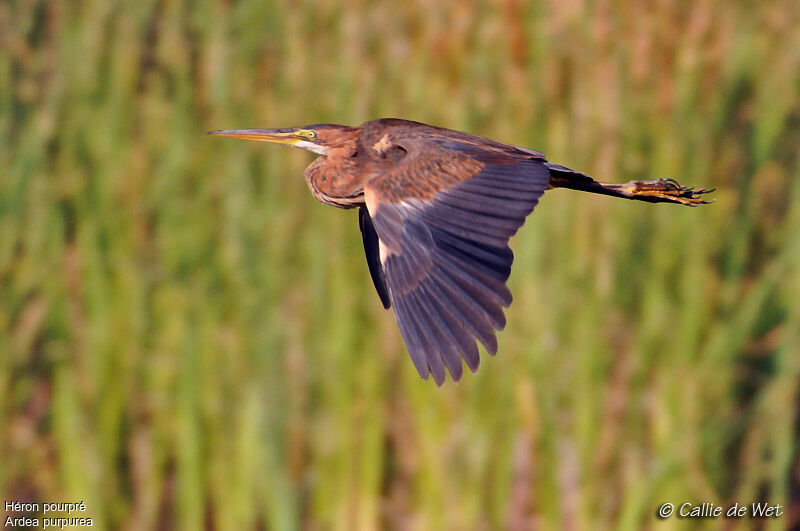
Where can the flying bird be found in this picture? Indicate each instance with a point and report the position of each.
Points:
(436, 208)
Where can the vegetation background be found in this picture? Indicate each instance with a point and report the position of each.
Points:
(188, 340)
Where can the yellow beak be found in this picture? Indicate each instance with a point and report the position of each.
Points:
(276, 136)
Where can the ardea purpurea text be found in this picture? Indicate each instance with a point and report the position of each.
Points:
(436, 209)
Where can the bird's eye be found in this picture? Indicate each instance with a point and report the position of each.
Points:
(311, 134)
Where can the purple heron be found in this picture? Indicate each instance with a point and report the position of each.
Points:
(436, 210)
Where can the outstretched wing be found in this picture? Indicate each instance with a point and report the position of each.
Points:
(444, 213)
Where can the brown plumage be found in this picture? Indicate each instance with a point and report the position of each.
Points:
(436, 210)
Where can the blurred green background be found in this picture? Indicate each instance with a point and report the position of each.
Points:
(189, 340)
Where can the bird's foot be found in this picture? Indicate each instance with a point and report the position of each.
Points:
(668, 191)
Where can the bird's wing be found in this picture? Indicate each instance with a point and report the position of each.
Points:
(443, 214)
(370, 239)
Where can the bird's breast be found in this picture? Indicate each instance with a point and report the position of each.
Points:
(335, 182)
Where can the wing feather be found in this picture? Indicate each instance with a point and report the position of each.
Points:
(415, 341)
(464, 309)
(444, 245)
(371, 248)
(486, 206)
(458, 323)
(446, 351)
(418, 312)
(455, 219)
(469, 273)
(493, 260)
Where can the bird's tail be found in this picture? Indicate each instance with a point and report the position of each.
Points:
(654, 191)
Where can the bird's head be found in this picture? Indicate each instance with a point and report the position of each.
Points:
(319, 138)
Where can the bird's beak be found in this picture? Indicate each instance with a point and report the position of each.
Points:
(276, 136)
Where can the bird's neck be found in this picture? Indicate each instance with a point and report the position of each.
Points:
(335, 181)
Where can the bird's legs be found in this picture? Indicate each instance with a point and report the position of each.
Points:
(660, 191)
(655, 191)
